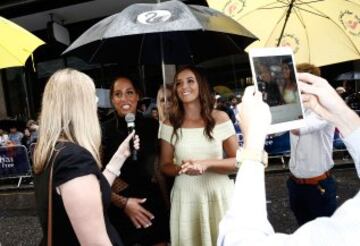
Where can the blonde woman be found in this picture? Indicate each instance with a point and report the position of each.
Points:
(69, 139)
(163, 108)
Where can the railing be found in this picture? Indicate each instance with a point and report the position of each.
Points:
(14, 163)
(278, 145)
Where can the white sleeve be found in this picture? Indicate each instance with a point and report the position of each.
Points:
(246, 223)
(313, 123)
(352, 143)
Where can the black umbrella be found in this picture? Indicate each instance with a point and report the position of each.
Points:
(354, 75)
(169, 32)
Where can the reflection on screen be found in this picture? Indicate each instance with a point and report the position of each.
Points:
(276, 79)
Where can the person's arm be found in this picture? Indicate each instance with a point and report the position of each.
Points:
(319, 96)
(162, 182)
(82, 201)
(313, 124)
(167, 165)
(139, 216)
(246, 222)
(112, 169)
(352, 143)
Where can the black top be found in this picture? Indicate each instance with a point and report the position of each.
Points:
(71, 162)
(114, 131)
(139, 175)
(271, 93)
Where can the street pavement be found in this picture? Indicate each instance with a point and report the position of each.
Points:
(19, 224)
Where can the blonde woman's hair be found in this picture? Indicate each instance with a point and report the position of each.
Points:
(69, 112)
(168, 88)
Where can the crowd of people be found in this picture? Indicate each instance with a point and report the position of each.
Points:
(165, 179)
(16, 137)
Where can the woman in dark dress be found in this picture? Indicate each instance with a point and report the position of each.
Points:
(137, 211)
(69, 139)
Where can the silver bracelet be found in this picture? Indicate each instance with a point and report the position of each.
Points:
(112, 171)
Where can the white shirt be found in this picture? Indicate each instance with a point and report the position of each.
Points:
(352, 143)
(246, 223)
(311, 151)
(3, 139)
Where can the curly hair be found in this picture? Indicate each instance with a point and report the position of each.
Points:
(308, 68)
(177, 112)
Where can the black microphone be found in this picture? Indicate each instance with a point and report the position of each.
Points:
(130, 121)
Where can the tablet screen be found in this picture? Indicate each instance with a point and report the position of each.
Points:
(274, 75)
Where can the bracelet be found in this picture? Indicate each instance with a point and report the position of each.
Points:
(112, 171)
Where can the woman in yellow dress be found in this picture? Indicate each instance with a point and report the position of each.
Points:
(193, 142)
(289, 92)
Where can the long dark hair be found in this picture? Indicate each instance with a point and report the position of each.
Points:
(177, 112)
(289, 64)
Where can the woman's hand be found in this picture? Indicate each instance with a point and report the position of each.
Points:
(140, 217)
(320, 97)
(254, 118)
(192, 168)
(123, 151)
(112, 169)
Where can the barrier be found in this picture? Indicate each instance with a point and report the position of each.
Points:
(278, 145)
(14, 163)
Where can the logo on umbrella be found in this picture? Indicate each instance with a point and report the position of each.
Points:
(350, 22)
(289, 40)
(154, 17)
(234, 7)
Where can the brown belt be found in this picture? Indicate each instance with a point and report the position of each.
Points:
(311, 181)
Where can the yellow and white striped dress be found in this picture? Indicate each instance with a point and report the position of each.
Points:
(198, 203)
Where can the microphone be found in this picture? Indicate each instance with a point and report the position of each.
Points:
(130, 121)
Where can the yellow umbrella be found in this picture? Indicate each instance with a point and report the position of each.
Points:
(16, 44)
(223, 90)
(320, 32)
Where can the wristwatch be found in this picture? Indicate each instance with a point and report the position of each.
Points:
(251, 155)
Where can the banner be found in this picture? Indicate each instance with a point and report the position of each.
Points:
(14, 161)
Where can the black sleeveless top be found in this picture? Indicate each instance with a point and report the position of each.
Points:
(72, 161)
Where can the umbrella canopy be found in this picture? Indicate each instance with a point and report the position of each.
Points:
(321, 32)
(349, 76)
(169, 32)
(16, 44)
(223, 90)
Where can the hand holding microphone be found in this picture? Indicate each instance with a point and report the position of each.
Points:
(130, 121)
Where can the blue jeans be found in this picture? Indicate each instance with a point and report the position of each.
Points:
(311, 201)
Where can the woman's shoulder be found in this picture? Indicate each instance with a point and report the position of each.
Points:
(72, 154)
(73, 161)
(220, 116)
(67, 147)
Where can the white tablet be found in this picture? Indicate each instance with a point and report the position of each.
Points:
(274, 74)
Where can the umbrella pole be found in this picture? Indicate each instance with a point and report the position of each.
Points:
(27, 106)
(286, 20)
(163, 66)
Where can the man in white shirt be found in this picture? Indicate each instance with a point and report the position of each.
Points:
(312, 189)
(246, 223)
